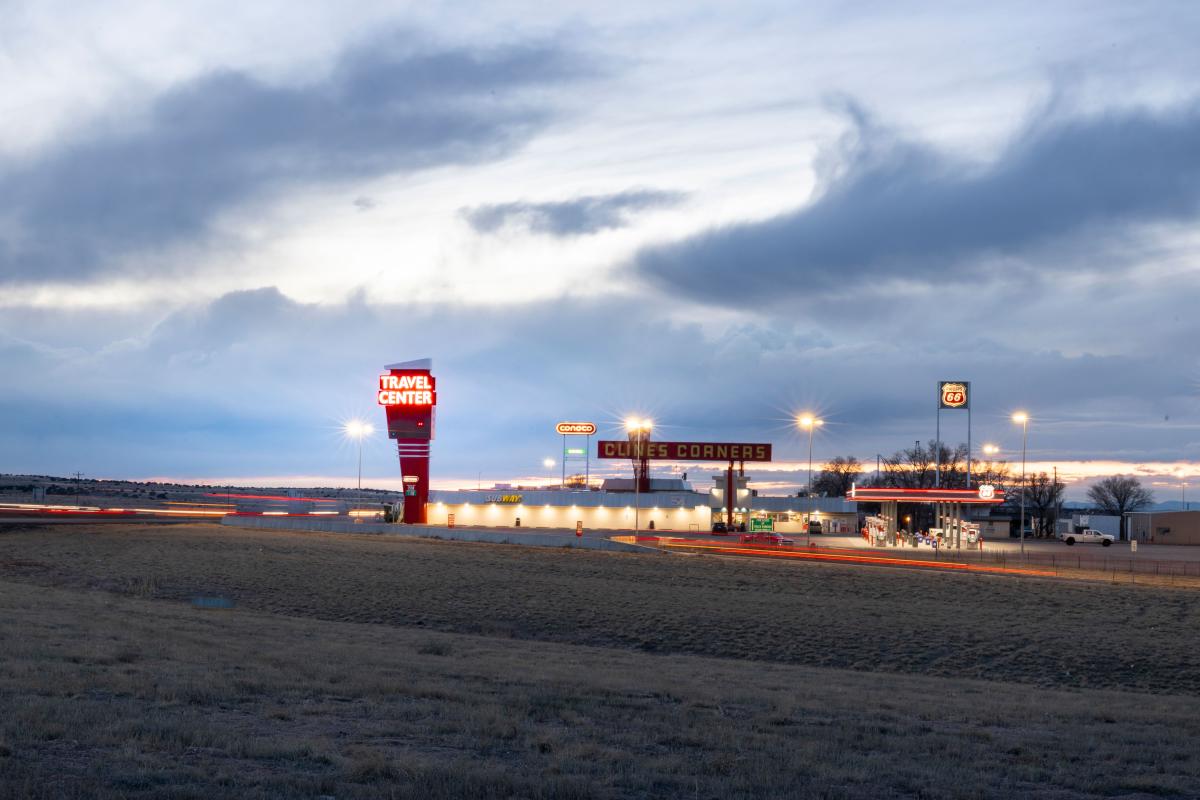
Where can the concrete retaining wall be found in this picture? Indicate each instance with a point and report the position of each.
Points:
(545, 537)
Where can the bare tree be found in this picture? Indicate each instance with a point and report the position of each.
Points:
(952, 463)
(835, 477)
(993, 473)
(1042, 496)
(911, 468)
(1119, 494)
(916, 467)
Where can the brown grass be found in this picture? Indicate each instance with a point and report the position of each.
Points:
(354, 667)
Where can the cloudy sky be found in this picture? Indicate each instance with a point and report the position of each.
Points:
(219, 220)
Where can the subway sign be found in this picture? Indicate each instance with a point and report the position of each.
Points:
(575, 428)
(407, 390)
(686, 451)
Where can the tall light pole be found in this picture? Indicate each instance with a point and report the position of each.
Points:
(639, 432)
(1022, 419)
(357, 429)
(548, 463)
(811, 423)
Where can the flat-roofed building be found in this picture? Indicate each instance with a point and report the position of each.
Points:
(1165, 527)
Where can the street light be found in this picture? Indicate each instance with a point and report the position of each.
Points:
(1022, 419)
(639, 432)
(811, 423)
(357, 429)
(989, 450)
(548, 463)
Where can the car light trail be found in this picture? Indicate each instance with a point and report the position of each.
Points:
(276, 497)
(841, 556)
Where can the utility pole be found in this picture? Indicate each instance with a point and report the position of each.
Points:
(1022, 419)
(1057, 503)
(811, 423)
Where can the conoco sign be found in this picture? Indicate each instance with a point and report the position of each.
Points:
(955, 394)
(575, 428)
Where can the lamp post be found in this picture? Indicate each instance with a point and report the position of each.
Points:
(639, 432)
(1022, 419)
(811, 423)
(357, 429)
(548, 463)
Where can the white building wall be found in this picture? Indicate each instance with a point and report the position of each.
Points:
(1101, 522)
(547, 516)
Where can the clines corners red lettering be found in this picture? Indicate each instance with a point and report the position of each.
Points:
(412, 389)
(687, 451)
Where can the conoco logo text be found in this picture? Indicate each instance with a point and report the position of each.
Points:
(575, 428)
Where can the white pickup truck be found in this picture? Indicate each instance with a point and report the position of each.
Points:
(1088, 536)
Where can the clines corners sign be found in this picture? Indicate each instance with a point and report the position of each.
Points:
(686, 451)
(407, 390)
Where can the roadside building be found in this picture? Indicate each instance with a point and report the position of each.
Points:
(553, 508)
(670, 504)
(1165, 527)
(832, 515)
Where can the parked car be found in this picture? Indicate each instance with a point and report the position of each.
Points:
(764, 537)
(1088, 536)
(720, 529)
(815, 526)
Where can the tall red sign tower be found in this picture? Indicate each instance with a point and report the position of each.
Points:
(408, 394)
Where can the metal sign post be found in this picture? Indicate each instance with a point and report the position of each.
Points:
(952, 395)
(585, 429)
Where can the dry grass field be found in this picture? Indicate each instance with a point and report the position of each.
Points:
(353, 666)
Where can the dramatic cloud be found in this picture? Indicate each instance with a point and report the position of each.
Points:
(400, 199)
(254, 380)
(577, 217)
(159, 177)
(897, 210)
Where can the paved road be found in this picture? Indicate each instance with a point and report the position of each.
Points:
(1033, 547)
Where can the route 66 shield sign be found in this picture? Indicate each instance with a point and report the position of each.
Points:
(954, 394)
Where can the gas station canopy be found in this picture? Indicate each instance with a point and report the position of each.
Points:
(985, 494)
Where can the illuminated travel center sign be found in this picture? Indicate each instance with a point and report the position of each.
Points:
(408, 394)
(407, 389)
